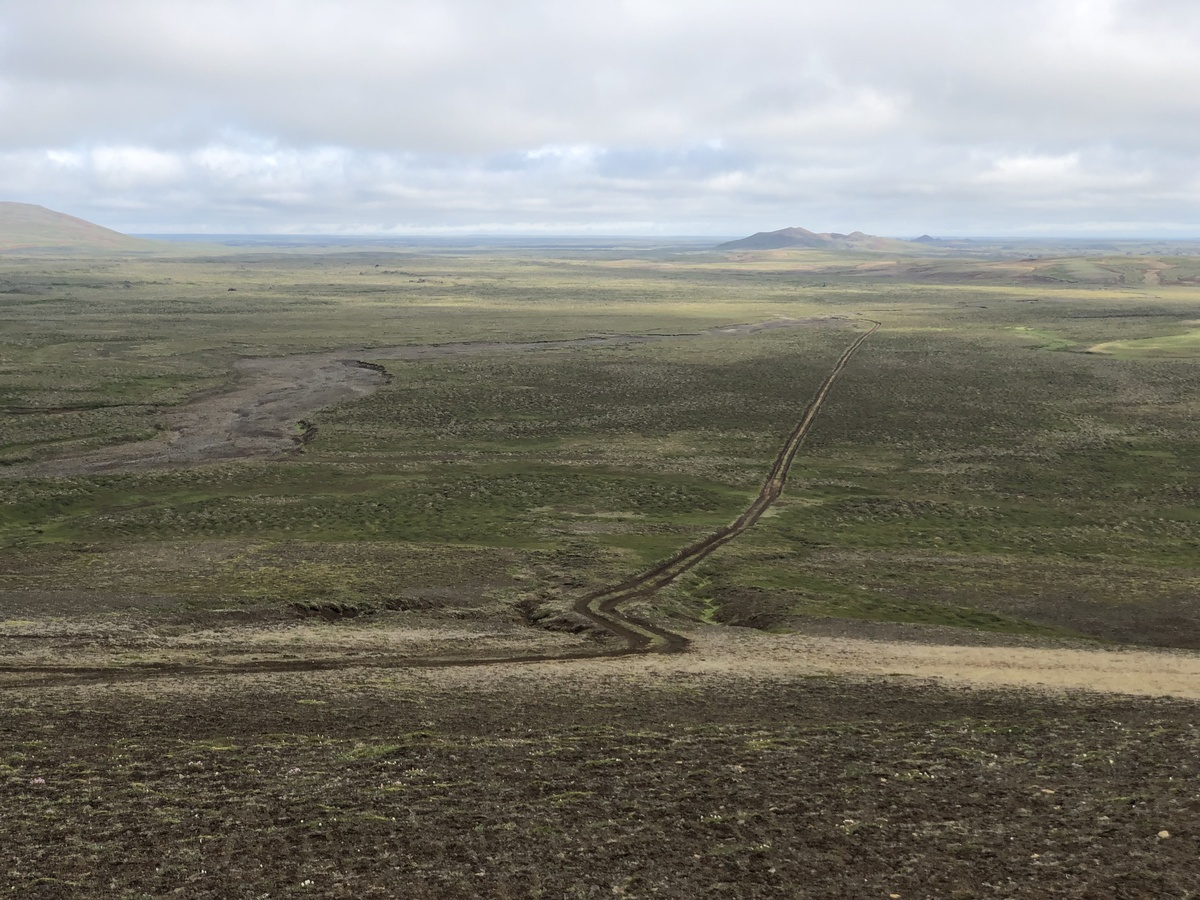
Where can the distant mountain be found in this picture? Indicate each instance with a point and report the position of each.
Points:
(797, 238)
(24, 226)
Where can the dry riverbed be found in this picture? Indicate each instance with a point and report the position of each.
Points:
(267, 412)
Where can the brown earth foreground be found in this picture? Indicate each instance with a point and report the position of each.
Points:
(725, 772)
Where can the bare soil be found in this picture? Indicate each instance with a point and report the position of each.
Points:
(69, 655)
(1047, 667)
(590, 781)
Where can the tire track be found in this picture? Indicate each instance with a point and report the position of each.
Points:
(603, 607)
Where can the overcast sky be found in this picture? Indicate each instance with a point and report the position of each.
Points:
(988, 117)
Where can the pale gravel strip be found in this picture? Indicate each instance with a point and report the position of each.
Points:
(1149, 673)
(723, 654)
(737, 653)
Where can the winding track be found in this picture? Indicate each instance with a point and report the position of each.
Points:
(603, 607)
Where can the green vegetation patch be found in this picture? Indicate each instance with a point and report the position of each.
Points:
(1170, 346)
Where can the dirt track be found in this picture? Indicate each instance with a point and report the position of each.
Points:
(604, 606)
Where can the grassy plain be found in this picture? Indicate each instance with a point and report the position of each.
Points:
(1012, 458)
(981, 465)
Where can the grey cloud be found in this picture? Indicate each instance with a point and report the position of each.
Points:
(929, 115)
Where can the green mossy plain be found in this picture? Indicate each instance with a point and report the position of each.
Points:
(1001, 456)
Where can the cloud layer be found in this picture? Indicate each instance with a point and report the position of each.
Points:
(655, 116)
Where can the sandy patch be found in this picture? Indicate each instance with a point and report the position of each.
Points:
(719, 653)
(735, 652)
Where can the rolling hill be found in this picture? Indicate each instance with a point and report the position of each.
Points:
(26, 227)
(802, 238)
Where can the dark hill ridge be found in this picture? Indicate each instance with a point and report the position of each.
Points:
(24, 226)
(799, 238)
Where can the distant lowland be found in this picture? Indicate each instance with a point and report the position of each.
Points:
(27, 227)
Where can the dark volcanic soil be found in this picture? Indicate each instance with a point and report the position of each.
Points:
(546, 785)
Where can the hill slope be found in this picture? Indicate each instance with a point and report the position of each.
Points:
(799, 238)
(24, 226)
